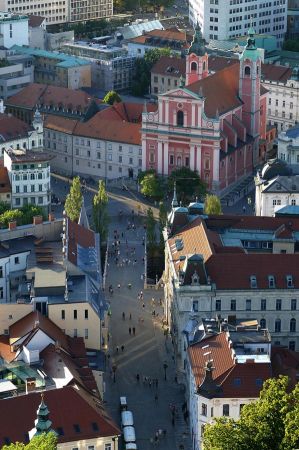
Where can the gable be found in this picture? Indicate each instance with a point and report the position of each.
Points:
(182, 93)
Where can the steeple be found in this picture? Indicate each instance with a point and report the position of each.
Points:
(83, 219)
(174, 202)
(42, 422)
(198, 44)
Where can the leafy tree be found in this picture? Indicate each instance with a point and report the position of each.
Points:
(142, 70)
(29, 211)
(151, 186)
(188, 184)
(100, 213)
(150, 229)
(46, 441)
(10, 216)
(212, 205)
(270, 423)
(74, 200)
(111, 97)
(4, 207)
(162, 222)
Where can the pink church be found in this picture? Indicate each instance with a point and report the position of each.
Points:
(213, 124)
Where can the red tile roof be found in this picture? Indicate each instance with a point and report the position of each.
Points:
(5, 349)
(170, 35)
(35, 21)
(285, 362)
(61, 124)
(33, 321)
(251, 222)
(78, 235)
(12, 128)
(68, 406)
(125, 111)
(271, 72)
(178, 66)
(5, 185)
(217, 63)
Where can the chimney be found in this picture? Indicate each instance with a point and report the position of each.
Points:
(37, 220)
(30, 384)
(51, 217)
(12, 225)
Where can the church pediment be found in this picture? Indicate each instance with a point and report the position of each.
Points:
(181, 93)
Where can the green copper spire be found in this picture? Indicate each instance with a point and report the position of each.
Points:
(42, 423)
(250, 50)
(198, 43)
(250, 40)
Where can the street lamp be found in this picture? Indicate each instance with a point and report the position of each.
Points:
(114, 368)
(165, 368)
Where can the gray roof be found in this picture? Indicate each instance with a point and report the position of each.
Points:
(283, 184)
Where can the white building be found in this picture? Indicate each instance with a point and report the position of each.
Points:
(11, 263)
(288, 147)
(13, 29)
(220, 19)
(29, 174)
(226, 369)
(282, 84)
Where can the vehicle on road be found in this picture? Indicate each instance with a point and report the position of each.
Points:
(123, 403)
(127, 419)
(129, 435)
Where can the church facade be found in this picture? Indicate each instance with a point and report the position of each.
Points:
(213, 124)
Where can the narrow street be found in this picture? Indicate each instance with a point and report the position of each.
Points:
(143, 354)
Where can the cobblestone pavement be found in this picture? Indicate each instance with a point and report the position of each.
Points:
(144, 353)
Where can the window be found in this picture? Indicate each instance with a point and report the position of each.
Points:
(253, 283)
(108, 447)
(17, 260)
(86, 314)
(99, 155)
(90, 447)
(32, 188)
(292, 345)
(77, 428)
(293, 304)
(259, 382)
(75, 314)
(218, 305)
(75, 332)
(233, 305)
(130, 160)
(290, 281)
(225, 410)
(248, 305)
(204, 409)
(109, 157)
(277, 326)
(293, 202)
(293, 325)
(263, 304)
(247, 71)
(1, 292)
(86, 333)
(120, 159)
(278, 304)
(63, 314)
(271, 281)
(180, 118)
(171, 160)
(263, 323)
(193, 66)
(195, 305)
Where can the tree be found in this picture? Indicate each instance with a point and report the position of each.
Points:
(46, 441)
(151, 186)
(212, 205)
(111, 97)
(188, 184)
(100, 213)
(74, 200)
(29, 211)
(4, 207)
(150, 229)
(270, 423)
(11, 215)
(162, 222)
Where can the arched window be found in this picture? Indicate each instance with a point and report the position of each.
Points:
(277, 326)
(263, 323)
(293, 325)
(257, 70)
(193, 67)
(180, 118)
(247, 71)
(179, 161)
(204, 66)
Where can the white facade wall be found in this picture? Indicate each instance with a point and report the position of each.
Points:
(220, 19)
(288, 149)
(283, 103)
(266, 203)
(92, 157)
(13, 31)
(8, 265)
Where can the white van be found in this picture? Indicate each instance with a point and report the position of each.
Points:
(131, 446)
(127, 419)
(129, 435)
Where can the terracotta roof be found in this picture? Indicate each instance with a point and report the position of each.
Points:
(251, 222)
(35, 21)
(68, 406)
(61, 124)
(285, 362)
(42, 94)
(5, 349)
(12, 128)
(33, 321)
(125, 111)
(226, 370)
(280, 74)
(78, 235)
(165, 63)
(234, 271)
(5, 185)
(171, 34)
(217, 63)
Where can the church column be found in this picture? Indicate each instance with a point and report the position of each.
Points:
(143, 153)
(192, 157)
(198, 159)
(166, 111)
(160, 111)
(216, 154)
(193, 114)
(166, 158)
(160, 169)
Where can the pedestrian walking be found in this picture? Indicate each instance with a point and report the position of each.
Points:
(156, 397)
(130, 317)
(137, 377)
(122, 348)
(124, 316)
(134, 331)
(117, 348)
(150, 382)
(130, 331)
(143, 305)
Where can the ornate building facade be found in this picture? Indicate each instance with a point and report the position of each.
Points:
(213, 124)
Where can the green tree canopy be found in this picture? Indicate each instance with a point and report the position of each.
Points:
(74, 200)
(10, 216)
(100, 213)
(151, 186)
(111, 97)
(188, 184)
(4, 207)
(212, 204)
(270, 423)
(46, 441)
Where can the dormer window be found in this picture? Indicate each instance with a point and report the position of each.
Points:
(271, 281)
(290, 283)
(253, 282)
(195, 279)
